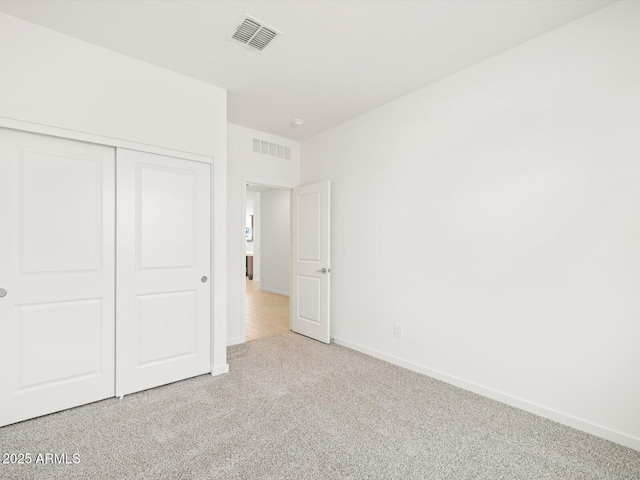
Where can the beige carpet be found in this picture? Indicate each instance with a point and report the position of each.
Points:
(292, 408)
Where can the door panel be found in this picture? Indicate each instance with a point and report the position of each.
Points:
(47, 353)
(167, 326)
(164, 248)
(57, 266)
(310, 267)
(71, 215)
(310, 224)
(309, 295)
(168, 228)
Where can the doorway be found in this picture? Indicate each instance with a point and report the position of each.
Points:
(267, 261)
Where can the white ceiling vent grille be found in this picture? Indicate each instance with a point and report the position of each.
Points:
(253, 34)
(271, 149)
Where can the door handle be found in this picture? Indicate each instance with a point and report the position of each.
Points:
(204, 279)
(3, 292)
(324, 270)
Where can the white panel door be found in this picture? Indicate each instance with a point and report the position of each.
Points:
(310, 266)
(57, 221)
(163, 270)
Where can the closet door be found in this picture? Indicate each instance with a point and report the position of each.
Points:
(163, 270)
(57, 220)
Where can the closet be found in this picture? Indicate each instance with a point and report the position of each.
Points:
(105, 261)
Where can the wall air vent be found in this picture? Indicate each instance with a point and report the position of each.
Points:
(253, 34)
(271, 149)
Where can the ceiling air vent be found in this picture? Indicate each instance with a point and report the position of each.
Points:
(253, 34)
(271, 149)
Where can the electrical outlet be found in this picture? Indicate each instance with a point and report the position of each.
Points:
(397, 330)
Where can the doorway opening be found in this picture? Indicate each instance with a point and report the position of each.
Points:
(267, 261)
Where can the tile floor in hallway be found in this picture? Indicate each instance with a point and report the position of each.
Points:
(267, 313)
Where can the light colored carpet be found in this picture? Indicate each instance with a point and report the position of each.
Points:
(295, 408)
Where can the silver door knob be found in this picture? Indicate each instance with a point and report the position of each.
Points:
(204, 279)
(3, 292)
(322, 270)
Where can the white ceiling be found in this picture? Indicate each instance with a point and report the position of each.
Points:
(336, 59)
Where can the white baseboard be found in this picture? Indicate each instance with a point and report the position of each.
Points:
(286, 294)
(234, 341)
(215, 371)
(560, 417)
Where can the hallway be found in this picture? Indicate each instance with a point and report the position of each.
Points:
(267, 313)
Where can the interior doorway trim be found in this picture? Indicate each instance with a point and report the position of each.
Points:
(243, 249)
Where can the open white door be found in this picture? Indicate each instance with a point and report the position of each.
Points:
(310, 265)
(57, 291)
(163, 270)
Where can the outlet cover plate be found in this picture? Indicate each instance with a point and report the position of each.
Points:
(397, 330)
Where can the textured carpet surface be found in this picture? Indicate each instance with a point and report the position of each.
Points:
(299, 409)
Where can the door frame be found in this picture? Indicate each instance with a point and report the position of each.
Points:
(243, 249)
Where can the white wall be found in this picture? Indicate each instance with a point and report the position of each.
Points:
(253, 208)
(252, 197)
(519, 176)
(246, 167)
(54, 79)
(275, 240)
(55, 84)
(257, 250)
